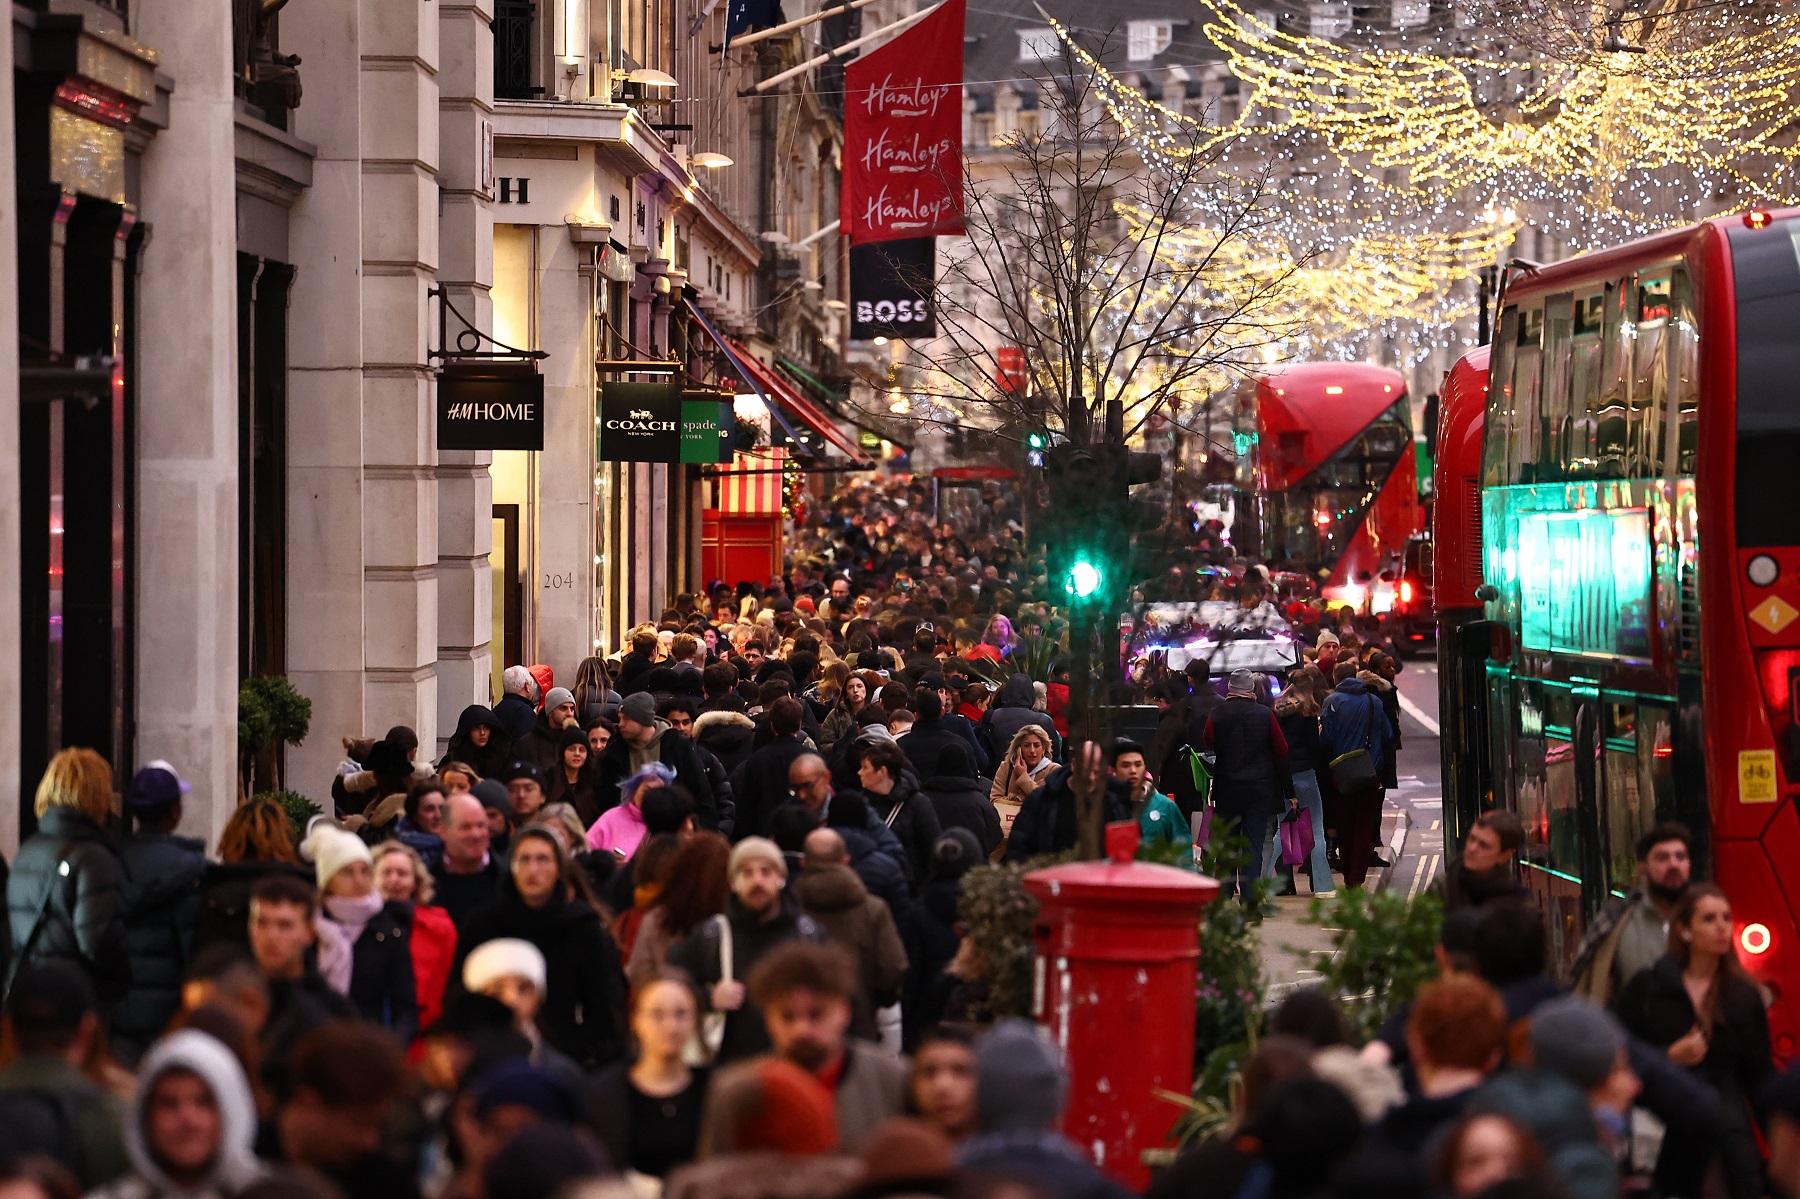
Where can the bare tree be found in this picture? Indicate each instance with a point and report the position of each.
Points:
(1142, 278)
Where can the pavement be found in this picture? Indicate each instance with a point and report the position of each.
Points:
(1412, 829)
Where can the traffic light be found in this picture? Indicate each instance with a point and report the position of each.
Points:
(1092, 521)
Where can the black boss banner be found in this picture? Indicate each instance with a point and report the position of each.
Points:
(639, 422)
(890, 289)
(490, 406)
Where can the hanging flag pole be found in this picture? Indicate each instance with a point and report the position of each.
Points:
(790, 26)
(819, 60)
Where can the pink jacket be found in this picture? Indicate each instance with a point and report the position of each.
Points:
(619, 828)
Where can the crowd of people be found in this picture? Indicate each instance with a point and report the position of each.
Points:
(691, 924)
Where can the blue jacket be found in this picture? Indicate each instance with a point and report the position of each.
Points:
(1351, 713)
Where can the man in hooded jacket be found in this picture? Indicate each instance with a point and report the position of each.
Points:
(645, 737)
(192, 1132)
(1011, 711)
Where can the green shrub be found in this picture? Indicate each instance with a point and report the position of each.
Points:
(299, 810)
(1384, 949)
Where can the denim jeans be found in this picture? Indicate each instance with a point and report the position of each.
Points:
(1253, 825)
(1306, 786)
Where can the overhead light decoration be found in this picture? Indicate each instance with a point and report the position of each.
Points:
(712, 160)
(1410, 169)
(651, 77)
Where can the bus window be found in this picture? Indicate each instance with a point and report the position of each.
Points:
(1582, 451)
(1615, 373)
(1497, 429)
(1553, 405)
(1650, 376)
(1629, 806)
(1684, 370)
(1528, 377)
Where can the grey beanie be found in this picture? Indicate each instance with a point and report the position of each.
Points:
(1577, 1040)
(639, 708)
(556, 697)
(1243, 682)
(1020, 1080)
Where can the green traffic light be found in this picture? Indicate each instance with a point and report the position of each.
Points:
(1084, 579)
(1036, 441)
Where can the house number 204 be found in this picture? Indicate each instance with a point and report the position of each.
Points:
(555, 582)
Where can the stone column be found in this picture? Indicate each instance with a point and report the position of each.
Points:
(325, 385)
(565, 525)
(399, 56)
(187, 418)
(9, 469)
(466, 272)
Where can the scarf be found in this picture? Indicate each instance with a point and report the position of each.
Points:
(353, 915)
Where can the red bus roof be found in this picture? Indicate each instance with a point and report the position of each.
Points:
(1309, 411)
(1616, 259)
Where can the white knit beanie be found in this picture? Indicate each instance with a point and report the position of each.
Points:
(332, 849)
(501, 958)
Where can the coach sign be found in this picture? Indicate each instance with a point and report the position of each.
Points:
(639, 422)
(490, 406)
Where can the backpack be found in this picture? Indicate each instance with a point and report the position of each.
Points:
(44, 1121)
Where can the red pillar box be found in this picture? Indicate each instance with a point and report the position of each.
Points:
(1116, 950)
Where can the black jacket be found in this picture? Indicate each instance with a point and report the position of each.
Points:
(583, 1011)
(295, 1009)
(931, 942)
(486, 760)
(633, 666)
(882, 873)
(541, 746)
(224, 916)
(727, 735)
(161, 892)
(1655, 1006)
(465, 896)
(1251, 769)
(962, 802)
(1046, 820)
(381, 972)
(914, 819)
(65, 900)
(674, 751)
(929, 738)
(1464, 889)
(1012, 711)
(760, 785)
(1302, 735)
(751, 939)
(583, 794)
(516, 715)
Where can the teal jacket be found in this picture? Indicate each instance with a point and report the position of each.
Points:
(1161, 820)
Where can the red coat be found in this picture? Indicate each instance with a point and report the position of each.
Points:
(433, 952)
(1056, 705)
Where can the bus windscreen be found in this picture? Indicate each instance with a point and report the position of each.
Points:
(1585, 583)
(1766, 266)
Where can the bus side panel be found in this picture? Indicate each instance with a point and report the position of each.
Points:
(1380, 540)
(1763, 901)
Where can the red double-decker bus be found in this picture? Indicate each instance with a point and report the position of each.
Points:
(1637, 398)
(1326, 457)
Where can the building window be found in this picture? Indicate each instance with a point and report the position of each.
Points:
(1036, 45)
(1410, 14)
(1330, 18)
(513, 50)
(1144, 40)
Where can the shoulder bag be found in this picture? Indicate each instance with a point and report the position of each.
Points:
(703, 1047)
(1354, 772)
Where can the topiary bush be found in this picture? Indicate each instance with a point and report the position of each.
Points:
(299, 810)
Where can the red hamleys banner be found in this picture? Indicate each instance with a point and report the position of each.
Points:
(903, 134)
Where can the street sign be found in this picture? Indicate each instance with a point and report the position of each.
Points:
(488, 405)
(639, 422)
(708, 430)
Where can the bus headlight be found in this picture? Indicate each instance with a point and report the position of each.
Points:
(1762, 570)
(1755, 939)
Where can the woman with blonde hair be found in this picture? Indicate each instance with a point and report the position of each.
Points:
(64, 900)
(401, 877)
(1026, 767)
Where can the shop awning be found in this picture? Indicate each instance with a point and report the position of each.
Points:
(783, 391)
(779, 394)
(831, 401)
